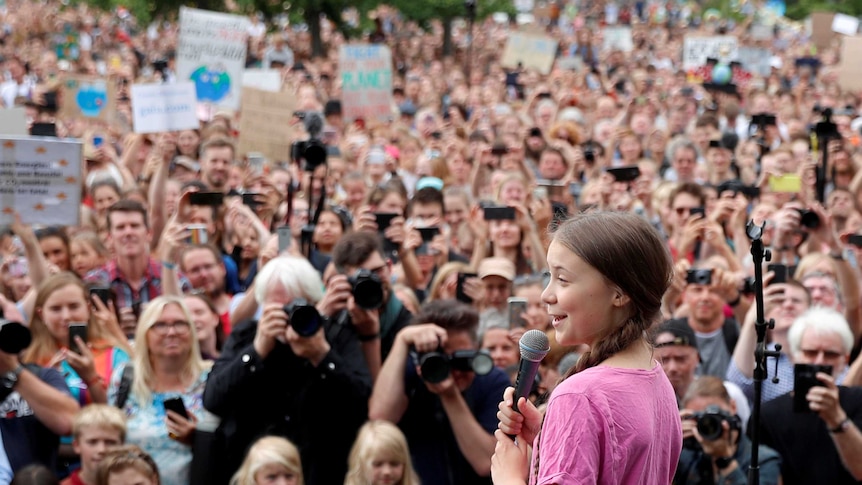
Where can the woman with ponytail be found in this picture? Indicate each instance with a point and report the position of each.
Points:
(613, 419)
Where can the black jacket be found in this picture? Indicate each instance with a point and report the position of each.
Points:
(319, 409)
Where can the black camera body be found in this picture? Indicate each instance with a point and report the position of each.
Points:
(808, 218)
(303, 317)
(699, 277)
(14, 337)
(312, 153)
(709, 422)
(436, 366)
(367, 289)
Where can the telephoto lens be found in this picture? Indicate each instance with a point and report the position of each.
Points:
(303, 317)
(367, 289)
(434, 366)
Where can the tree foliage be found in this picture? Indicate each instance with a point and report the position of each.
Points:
(800, 9)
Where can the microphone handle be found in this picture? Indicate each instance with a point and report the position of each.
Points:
(524, 382)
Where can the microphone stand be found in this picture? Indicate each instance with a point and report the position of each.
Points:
(758, 254)
(825, 131)
(307, 235)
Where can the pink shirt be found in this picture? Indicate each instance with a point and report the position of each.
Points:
(608, 425)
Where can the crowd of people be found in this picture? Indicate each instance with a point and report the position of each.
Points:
(214, 319)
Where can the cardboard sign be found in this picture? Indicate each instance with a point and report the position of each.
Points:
(696, 50)
(366, 81)
(266, 124)
(88, 97)
(263, 79)
(821, 29)
(13, 121)
(41, 180)
(755, 60)
(530, 50)
(850, 69)
(617, 38)
(164, 107)
(211, 53)
(845, 24)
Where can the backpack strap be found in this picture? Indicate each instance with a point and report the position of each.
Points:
(125, 385)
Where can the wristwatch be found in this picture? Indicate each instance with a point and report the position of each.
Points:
(9, 379)
(723, 462)
(842, 426)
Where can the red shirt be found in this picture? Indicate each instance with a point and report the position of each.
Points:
(74, 479)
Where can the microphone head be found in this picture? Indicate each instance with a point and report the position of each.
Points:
(534, 345)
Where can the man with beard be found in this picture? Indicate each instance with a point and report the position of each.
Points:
(217, 154)
(203, 266)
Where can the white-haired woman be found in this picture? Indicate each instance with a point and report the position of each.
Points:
(167, 365)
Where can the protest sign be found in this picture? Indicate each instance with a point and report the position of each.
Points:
(366, 81)
(14, 121)
(88, 97)
(211, 53)
(264, 79)
(696, 50)
(755, 60)
(266, 124)
(617, 38)
(531, 51)
(164, 107)
(40, 178)
(850, 69)
(821, 29)
(845, 24)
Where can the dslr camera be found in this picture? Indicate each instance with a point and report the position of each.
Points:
(367, 289)
(709, 422)
(436, 366)
(14, 337)
(312, 152)
(303, 317)
(808, 218)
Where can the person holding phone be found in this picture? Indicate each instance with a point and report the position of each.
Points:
(167, 365)
(823, 444)
(615, 410)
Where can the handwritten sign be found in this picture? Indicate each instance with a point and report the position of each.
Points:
(696, 50)
(14, 121)
(821, 29)
(211, 53)
(164, 107)
(617, 38)
(845, 24)
(40, 178)
(532, 51)
(265, 79)
(850, 70)
(366, 81)
(755, 60)
(88, 97)
(266, 123)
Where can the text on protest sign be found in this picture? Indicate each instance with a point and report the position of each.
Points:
(366, 81)
(696, 50)
(211, 53)
(531, 51)
(164, 107)
(40, 179)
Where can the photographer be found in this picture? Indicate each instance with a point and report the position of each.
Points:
(715, 450)
(448, 424)
(270, 379)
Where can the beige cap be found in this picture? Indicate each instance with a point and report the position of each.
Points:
(501, 267)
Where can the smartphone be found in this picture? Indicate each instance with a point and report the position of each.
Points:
(428, 233)
(459, 289)
(206, 198)
(499, 213)
(250, 199)
(384, 219)
(255, 163)
(103, 293)
(625, 174)
(284, 238)
(804, 378)
(43, 129)
(97, 141)
(697, 211)
(198, 234)
(77, 329)
(788, 184)
(176, 405)
(855, 240)
(517, 306)
(540, 193)
(555, 189)
(781, 273)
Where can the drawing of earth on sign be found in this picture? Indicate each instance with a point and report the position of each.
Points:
(211, 83)
(92, 98)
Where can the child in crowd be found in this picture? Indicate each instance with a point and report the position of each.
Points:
(271, 460)
(127, 465)
(380, 457)
(88, 252)
(97, 429)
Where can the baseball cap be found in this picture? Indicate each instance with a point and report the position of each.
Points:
(501, 267)
(681, 332)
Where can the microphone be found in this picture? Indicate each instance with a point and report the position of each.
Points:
(534, 347)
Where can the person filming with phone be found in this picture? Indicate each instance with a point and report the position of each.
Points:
(815, 427)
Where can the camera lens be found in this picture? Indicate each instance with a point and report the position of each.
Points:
(14, 337)
(304, 318)
(434, 367)
(809, 219)
(709, 427)
(482, 363)
(367, 290)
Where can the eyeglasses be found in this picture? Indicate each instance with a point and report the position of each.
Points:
(683, 210)
(812, 354)
(181, 327)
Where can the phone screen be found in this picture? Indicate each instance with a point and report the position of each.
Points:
(517, 306)
(284, 238)
(77, 330)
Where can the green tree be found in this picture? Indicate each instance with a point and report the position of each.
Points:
(800, 9)
(446, 11)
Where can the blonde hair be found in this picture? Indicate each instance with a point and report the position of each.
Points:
(44, 345)
(123, 458)
(194, 366)
(378, 439)
(442, 275)
(100, 416)
(269, 450)
(810, 262)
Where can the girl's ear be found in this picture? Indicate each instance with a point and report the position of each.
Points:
(621, 299)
